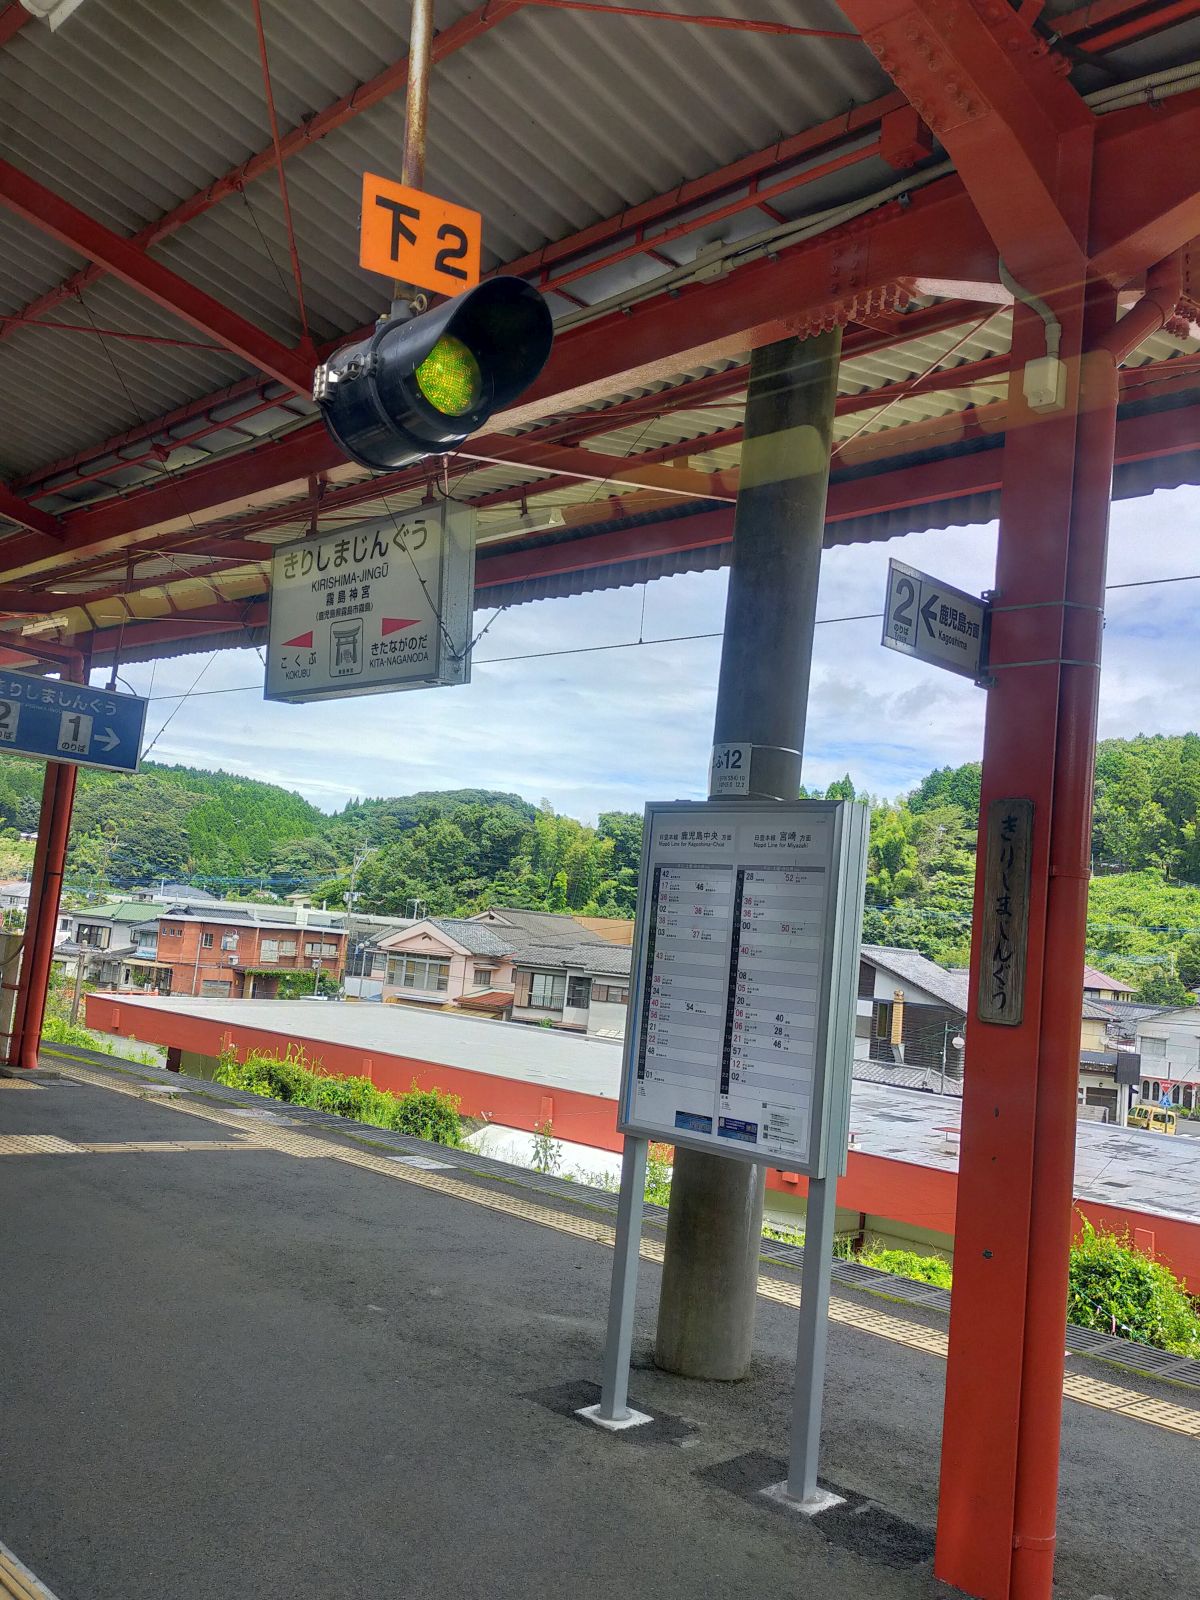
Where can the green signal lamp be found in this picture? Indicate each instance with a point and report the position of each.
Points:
(421, 385)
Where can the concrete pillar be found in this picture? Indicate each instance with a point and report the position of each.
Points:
(714, 1230)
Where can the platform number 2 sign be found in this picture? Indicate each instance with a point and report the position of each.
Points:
(418, 239)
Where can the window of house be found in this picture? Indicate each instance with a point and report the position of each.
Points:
(579, 992)
(1145, 1088)
(425, 973)
(482, 977)
(311, 949)
(883, 1020)
(1175, 1095)
(329, 950)
(548, 990)
(866, 981)
(172, 930)
(269, 950)
(288, 947)
(229, 941)
(206, 939)
(1154, 1047)
(612, 994)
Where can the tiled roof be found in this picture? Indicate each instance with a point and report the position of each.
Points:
(546, 927)
(476, 937)
(602, 959)
(912, 967)
(488, 1000)
(1093, 978)
(116, 911)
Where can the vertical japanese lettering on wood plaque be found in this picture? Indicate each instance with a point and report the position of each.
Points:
(1005, 912)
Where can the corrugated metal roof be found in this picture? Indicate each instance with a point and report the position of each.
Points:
(550, 122)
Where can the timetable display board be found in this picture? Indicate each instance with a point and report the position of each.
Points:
(741, 1031)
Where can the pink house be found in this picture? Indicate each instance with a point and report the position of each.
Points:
(443, 961)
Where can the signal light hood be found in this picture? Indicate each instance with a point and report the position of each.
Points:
(377, 411)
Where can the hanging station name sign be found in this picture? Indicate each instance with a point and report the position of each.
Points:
(376, 608)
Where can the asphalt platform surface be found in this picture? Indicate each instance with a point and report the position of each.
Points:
(234, 1372)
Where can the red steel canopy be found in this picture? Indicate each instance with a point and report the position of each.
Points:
(178, 246)
(682, 191)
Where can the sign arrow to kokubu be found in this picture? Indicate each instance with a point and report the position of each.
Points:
(955, 635)
(107, 740)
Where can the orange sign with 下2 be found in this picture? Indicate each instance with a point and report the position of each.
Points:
(418, 239)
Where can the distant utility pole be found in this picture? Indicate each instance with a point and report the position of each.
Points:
(352, 902)
(418, 908)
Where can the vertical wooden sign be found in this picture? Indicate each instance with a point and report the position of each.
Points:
(1005, 912)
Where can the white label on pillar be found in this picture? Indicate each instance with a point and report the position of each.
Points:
(729, 769)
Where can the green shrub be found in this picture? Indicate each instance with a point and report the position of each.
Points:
(421, 1113)
(908, 1264)
(58, 1029)
(428, 1114)
(1118, 1290)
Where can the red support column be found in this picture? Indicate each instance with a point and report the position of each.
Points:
(1000, 1447)
(58, 795)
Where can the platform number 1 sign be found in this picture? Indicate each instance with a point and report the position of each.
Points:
(418, 239)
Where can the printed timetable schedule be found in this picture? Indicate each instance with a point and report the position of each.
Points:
(725, 1047)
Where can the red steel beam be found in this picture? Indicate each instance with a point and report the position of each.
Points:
(983, 81)
(867, 341)
(1109, 24)
(306, 133)
(12, 19)
(1146, 205)
(57, 217)
(929, 483)
(20, 511)
(633, 472)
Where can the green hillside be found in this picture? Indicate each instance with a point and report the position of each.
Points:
(460, 850)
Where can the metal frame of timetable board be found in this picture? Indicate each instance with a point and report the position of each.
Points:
(828, 1134)
(836, 985)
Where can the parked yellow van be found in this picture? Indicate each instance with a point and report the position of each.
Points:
(1155, 1119)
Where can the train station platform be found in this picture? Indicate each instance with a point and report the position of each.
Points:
(903, 1163)
(251, 1351)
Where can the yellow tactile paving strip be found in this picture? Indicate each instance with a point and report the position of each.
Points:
(37, 1144)
(1100, 1393)
(16, 1580)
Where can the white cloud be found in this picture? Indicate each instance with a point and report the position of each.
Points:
(602, 729)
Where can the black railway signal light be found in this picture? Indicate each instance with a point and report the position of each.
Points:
(421, 385)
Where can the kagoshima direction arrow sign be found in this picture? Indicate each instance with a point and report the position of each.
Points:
(926, 618)
(70, 722)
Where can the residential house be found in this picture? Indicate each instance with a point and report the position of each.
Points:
(234, 950)
(363, 934)
(1168, 1044)
(910, 1010)
(1098, 985)
(444, 961)
(912, 1022)
(583, 987)
(557, 927)
(102, 937)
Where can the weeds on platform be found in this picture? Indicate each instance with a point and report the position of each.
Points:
(1117, 1289)
(421, 1113)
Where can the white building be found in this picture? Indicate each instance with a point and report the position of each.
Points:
(1169, 1045)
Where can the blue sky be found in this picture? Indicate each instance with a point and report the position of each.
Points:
(613, 728)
